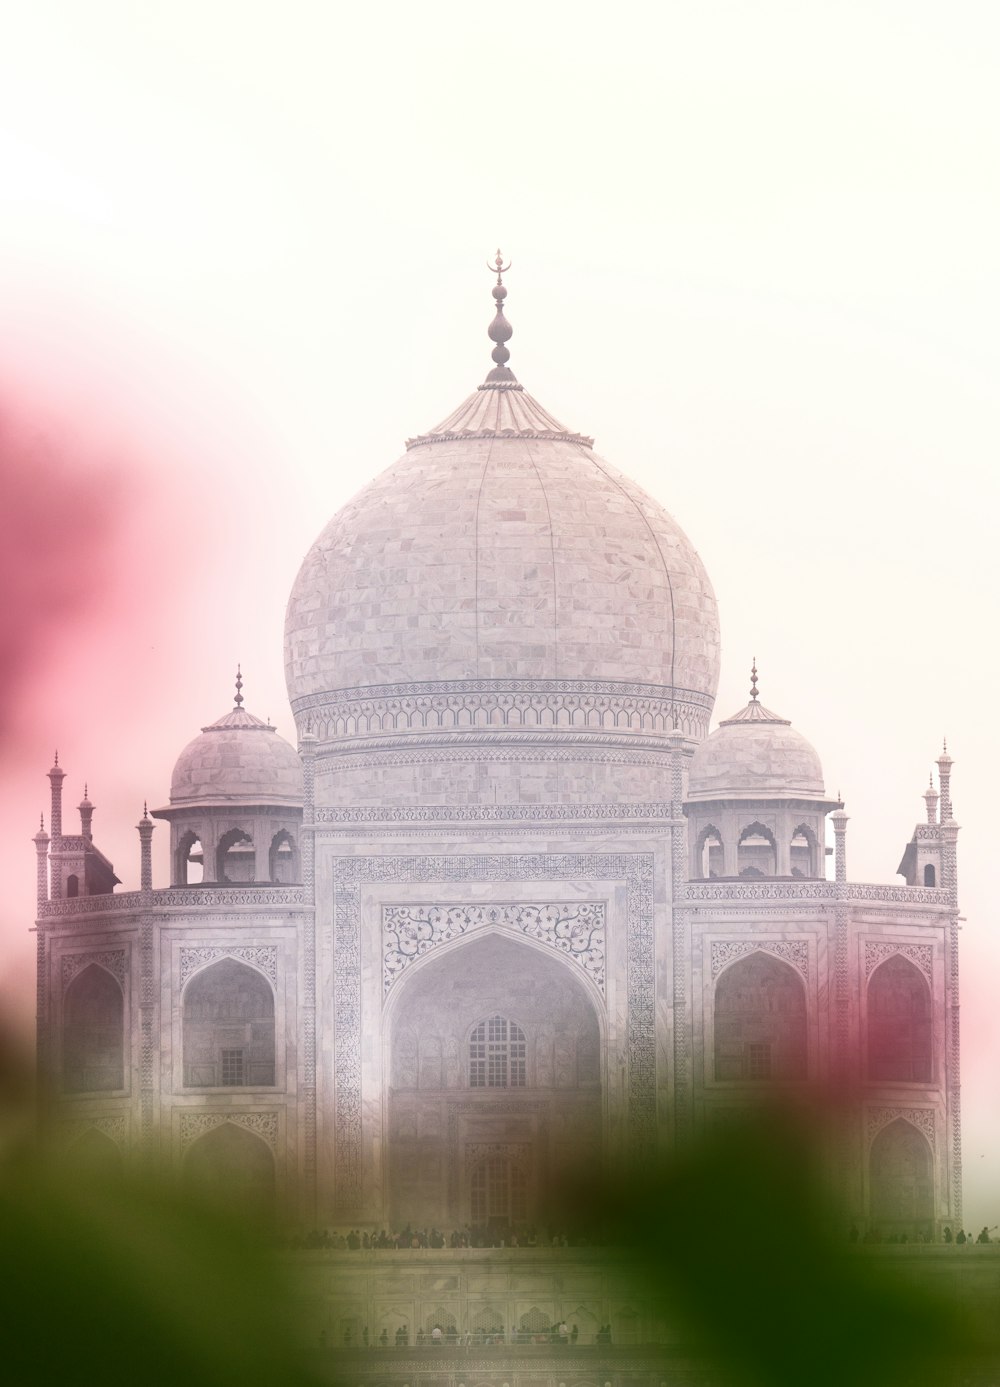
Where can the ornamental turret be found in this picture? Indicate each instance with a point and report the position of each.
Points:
(756, 803)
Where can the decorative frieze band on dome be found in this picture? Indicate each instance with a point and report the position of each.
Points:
(534, 706)
(577, 931)
(500, 409)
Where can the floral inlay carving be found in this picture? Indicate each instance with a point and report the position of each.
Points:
(262, 956)
(878, 950)
(114, 960)
(195, 1124)
(576, 930)
(922, 1119)
(793, 951)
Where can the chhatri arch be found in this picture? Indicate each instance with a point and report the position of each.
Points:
(470, 1144)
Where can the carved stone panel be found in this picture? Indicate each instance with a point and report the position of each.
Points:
(878, 950)
(195, 1124)
(793, 951)
(576, 930)
(261, 956)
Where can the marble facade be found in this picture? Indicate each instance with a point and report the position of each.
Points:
(505, 806)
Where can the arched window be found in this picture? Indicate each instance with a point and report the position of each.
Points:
(710, 853)
(930, 876)
(72, 885)
(228, 1028)
(760, 1021)
(902, 1176)
(499, 1193)
(802, 853)
(234, 857)
(282, 858)
(497, 1053)
(189, 862)
(755, 854)
(899, 1022)
(93, 1033)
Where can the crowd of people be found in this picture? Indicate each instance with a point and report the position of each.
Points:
(925, 1235)
(448, 1335)
(357, 1240)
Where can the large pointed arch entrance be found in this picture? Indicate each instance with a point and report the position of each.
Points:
(494, 1060)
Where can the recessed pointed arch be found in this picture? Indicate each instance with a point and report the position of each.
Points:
(93, 1032)
(233, 1166)
(490, 1016)
(760, 1021)
(93, 1153)
(901, 1177)
(900, 1022)
(228, 1027)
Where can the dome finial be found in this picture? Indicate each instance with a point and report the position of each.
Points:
(238, 701)
(753, 681)
(500, 331)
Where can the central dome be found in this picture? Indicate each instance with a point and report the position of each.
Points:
(499, 568)
(501, 547)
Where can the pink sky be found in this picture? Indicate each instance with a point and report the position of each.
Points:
(242, 258)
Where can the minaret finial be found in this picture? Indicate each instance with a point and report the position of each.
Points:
(238, 701)
(56, 761)
(753, 681)
(500, 331)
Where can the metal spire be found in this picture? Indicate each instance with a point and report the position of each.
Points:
(500, 331)
(753, 681)
(238, 700)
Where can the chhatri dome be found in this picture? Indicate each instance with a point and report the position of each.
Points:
(755, 754)
(501, 558)
(238, 759)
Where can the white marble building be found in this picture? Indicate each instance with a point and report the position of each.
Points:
(509, 905)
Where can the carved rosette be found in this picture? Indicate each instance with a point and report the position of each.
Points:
(263, 957)
(577, 931)
(196, 1124)
(793, 951)
(878, 950)
(115, 961)
(921, 1118)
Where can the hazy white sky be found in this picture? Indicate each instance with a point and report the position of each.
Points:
(242, 257)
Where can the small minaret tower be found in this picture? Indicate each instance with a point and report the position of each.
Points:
(56, 777)
(42, 870)
(86, 816)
